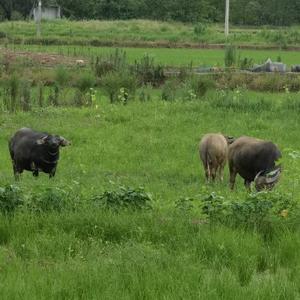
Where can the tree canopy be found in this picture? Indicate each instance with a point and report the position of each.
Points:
(242, 12)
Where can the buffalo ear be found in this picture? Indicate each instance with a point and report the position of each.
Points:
(63, 142)
(41, 141)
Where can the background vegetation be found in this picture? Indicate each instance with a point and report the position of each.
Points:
(255, 12)
(145, 33)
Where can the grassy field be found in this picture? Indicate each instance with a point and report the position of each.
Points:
(138, 32)
(164, 253)
(165, 56)
(198, 240)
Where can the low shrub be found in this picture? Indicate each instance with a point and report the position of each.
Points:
(124, 197)
(11, 198)
(114, 62)
(25, 94)
(201, 84)
(169, 90)
(120, 87)
(145, 93)
(238, 101)
(147, 72)
(51, 199)
(200, 29)
(230, 59)
(255, 210)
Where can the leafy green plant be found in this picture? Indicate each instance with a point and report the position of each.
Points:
(11, 198)
(200, 29)
(51, 199)
(124, 197)
(147, 72)
(113, 82)
(62, 76)
(13, 85)
(200, 85)
(169, 90)
(25, 92)
(144, 93)
(115, 61)
(230, 56)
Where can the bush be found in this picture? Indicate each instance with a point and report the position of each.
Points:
(119, 87)
(25, 95)
(147, 72)
(85, 81)
(116, 61)
(200, 29)
(62, 76)
(230, 56)
(10, 199)
(253, 211)
(170, 90)
(52, 199)
(245, 63)
(200, 85)
(124, 197)
(144, 94)
(238, 101)
(13, 85)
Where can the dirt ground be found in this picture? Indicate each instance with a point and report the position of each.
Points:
(39, 58)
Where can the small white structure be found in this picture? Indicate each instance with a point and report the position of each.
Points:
(50, 12)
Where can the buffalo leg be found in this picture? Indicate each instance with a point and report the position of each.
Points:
(213, 173)
(35, 170)
(221, 171)
(207, 171)
(35, 173)
(233, 173)
(52, 173)
(17, 171)
(247, 184)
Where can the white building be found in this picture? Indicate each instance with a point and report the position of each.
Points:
(50, 12)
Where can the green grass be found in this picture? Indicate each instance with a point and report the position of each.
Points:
(143, 31)
(169, 57)
(91, 253)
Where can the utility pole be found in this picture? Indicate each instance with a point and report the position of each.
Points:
(38, 19)
(227, 18)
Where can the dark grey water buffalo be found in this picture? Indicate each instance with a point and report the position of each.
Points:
(35, 151)
(254, 160)
(213, 151)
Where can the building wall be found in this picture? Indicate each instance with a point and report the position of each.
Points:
(48, 13)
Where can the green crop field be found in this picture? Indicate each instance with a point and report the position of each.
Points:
(87, 252)
(165, 56)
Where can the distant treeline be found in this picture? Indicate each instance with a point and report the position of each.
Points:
(243, 12)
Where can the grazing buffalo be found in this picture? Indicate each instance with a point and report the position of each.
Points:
(35, 151)
(213, 150)
(254, 160)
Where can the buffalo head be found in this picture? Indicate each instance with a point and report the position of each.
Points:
(53, 141)
(267, 180)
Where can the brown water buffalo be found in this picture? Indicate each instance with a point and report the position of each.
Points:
(254, 160)
(213, 151)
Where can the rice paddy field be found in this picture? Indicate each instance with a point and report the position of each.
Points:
(129, 214)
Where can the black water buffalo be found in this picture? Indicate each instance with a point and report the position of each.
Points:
(35, 151)
(254, 160)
